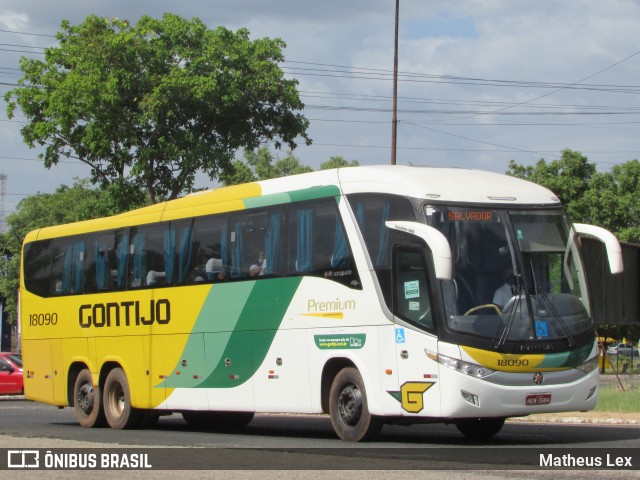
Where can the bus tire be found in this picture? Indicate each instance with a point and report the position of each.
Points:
(116, 401)
(87, 402)
(480, 428)
(349, 409)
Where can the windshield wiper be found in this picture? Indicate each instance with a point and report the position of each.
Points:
(512, 315)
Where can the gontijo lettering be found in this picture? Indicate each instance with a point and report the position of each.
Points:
(132, 313)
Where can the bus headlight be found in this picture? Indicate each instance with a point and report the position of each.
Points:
(471, 369)
(589, 366)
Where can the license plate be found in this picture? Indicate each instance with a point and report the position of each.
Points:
(538, 399)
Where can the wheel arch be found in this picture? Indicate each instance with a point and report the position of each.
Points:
(105, 369)
(72, 374)
(329, 372)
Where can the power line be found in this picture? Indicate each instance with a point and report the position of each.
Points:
(568, 86)
(19, 46)
(381, 74)
(28, 33)
(514, 149)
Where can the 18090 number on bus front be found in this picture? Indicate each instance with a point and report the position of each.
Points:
(43, 319)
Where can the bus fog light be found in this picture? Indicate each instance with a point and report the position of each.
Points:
(591, 392)
(471, 398)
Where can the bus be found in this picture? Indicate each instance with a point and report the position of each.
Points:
(370, 294)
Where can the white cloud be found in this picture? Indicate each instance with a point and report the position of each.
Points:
(11, 20)
(559, 41)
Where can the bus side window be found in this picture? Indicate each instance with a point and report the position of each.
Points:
(207, 252)
(119, 259)
(257, 245)
(147, 259)
(37, 267)
(100, 265)
(318, 244)
(238, 269)
(411, 300)
(67, 268)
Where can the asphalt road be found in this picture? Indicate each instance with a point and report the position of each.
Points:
(296, 444)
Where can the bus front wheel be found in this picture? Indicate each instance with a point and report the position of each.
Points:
(349, 409)
(117, 402)
(87, 403)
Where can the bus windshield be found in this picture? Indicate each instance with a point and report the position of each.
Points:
(516, 274)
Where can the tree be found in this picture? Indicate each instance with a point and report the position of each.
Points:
(67, 204)
(568, 177)
(613, 201)
(261, 165)
(607, 199)
(150, 105)
(338, 162)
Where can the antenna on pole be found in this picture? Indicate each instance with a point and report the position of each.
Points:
(394, 118)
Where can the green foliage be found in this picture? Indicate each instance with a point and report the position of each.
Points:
(261, 165)
(338, 162)
(67, 204)
(568, 178)
(607, 199)
(149, 105)
(613, 201)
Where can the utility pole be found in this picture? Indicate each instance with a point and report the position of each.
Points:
(394, 118)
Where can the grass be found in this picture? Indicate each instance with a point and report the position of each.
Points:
(612, 399)
(622, 364)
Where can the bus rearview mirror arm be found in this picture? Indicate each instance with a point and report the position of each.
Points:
(435, 240)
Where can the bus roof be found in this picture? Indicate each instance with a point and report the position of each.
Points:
(434, 183)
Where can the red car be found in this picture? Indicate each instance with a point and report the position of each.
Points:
(11, 380)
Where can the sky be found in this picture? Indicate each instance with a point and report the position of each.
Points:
(480, 82)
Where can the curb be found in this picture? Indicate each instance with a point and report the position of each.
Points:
(585, 420)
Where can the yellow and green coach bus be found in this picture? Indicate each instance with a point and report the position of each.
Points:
(382, 294)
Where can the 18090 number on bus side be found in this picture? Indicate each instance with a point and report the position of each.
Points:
(43, 319)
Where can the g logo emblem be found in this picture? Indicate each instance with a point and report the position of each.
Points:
(412, 395)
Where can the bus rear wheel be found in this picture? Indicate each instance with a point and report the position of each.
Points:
(117, 402)
(480, 428)
(349, 409)
(87, 402)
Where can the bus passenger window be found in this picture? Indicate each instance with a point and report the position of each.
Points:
(257, 245)
(208, 250)
(102, 264)
(67, 268)
(318, 244)
(37, 267)
(147, 260)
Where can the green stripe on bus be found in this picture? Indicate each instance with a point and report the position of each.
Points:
(295, 196)
(569, 359)
(243, 318)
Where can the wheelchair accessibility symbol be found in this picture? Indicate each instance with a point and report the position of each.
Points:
(400, 338)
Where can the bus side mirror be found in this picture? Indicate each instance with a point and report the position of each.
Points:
(612, 246)
(436, 241)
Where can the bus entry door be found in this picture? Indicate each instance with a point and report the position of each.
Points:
(419, 392)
